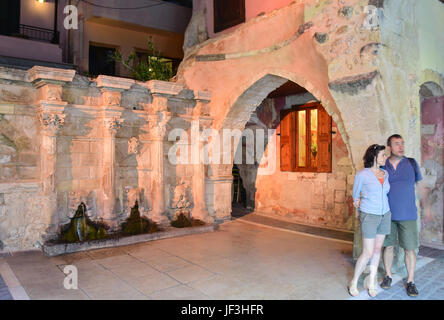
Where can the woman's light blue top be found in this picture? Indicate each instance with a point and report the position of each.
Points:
(372, 193)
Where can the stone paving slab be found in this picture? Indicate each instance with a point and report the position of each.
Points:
(295, 227)
(429, 281)
(4, 291)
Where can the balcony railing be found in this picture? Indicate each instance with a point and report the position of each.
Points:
(36, 33)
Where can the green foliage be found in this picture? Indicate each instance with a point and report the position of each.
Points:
(183, 222)
(81, 228)
(152, 68)
(135, 224)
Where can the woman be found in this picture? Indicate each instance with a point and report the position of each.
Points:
(370, 198)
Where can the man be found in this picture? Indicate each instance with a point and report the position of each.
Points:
(403, 174)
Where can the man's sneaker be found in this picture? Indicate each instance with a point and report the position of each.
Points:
(411, 289)
(386, 283)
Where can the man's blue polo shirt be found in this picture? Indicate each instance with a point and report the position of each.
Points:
(401, 196)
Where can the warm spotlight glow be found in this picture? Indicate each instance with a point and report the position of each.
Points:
(40, 1)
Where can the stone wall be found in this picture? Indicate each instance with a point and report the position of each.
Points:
(67, 139)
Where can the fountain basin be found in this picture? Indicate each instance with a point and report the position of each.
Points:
(55, 249)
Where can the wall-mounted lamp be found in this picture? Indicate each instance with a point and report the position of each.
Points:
(40, 1)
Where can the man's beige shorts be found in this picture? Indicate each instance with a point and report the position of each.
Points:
(406, 232)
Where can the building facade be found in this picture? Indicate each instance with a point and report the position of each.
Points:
(86, 34)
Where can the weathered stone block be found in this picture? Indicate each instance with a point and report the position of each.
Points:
(6, 109)
(339, 196)
(80, 146)
(340, 185)
(95, 172)
(339, 175)
(88, 159)
(318, 202)
(95, 146)
(28, 172)
(339, 209)
(322, 177)
(89, 184)
(66, 185)
(26, 159)
(350, 179)
(79, 173)
(320, 188)
(24, 110)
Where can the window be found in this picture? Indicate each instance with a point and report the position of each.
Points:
(228, 13)
(305, 139)
(101, 60)
(171, 62)
(9, 17)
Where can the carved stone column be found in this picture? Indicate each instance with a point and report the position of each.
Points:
(50, 114)
(218, 191)
(139, 146)
(201, 121)
(159, 116)
(111, 89)
(158, 133)
(51, 120)
(112, 125)
(50, 110)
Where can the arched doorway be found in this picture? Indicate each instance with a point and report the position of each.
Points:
(303, 196)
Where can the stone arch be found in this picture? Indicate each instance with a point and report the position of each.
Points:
(430, 89)
(432, 81)
(238, 106)
(245, 99)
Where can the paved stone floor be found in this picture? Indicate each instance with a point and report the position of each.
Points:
(429, 280)
(4, 291)
(238, 261)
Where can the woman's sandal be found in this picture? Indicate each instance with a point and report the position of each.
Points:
(371, 287)
(353, 290)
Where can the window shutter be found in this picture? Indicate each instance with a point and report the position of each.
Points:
(287, 140)
(324, 141)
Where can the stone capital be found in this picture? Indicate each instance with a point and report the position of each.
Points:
(50, 93)
(206, 122)
(113, 124)
(40, 75)
(157, 125)
(111, 97)
(159, 104)
(49, 82)
(158, 87)
(202, 96)
(134, 146)
(51, 122)
(116, 83)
